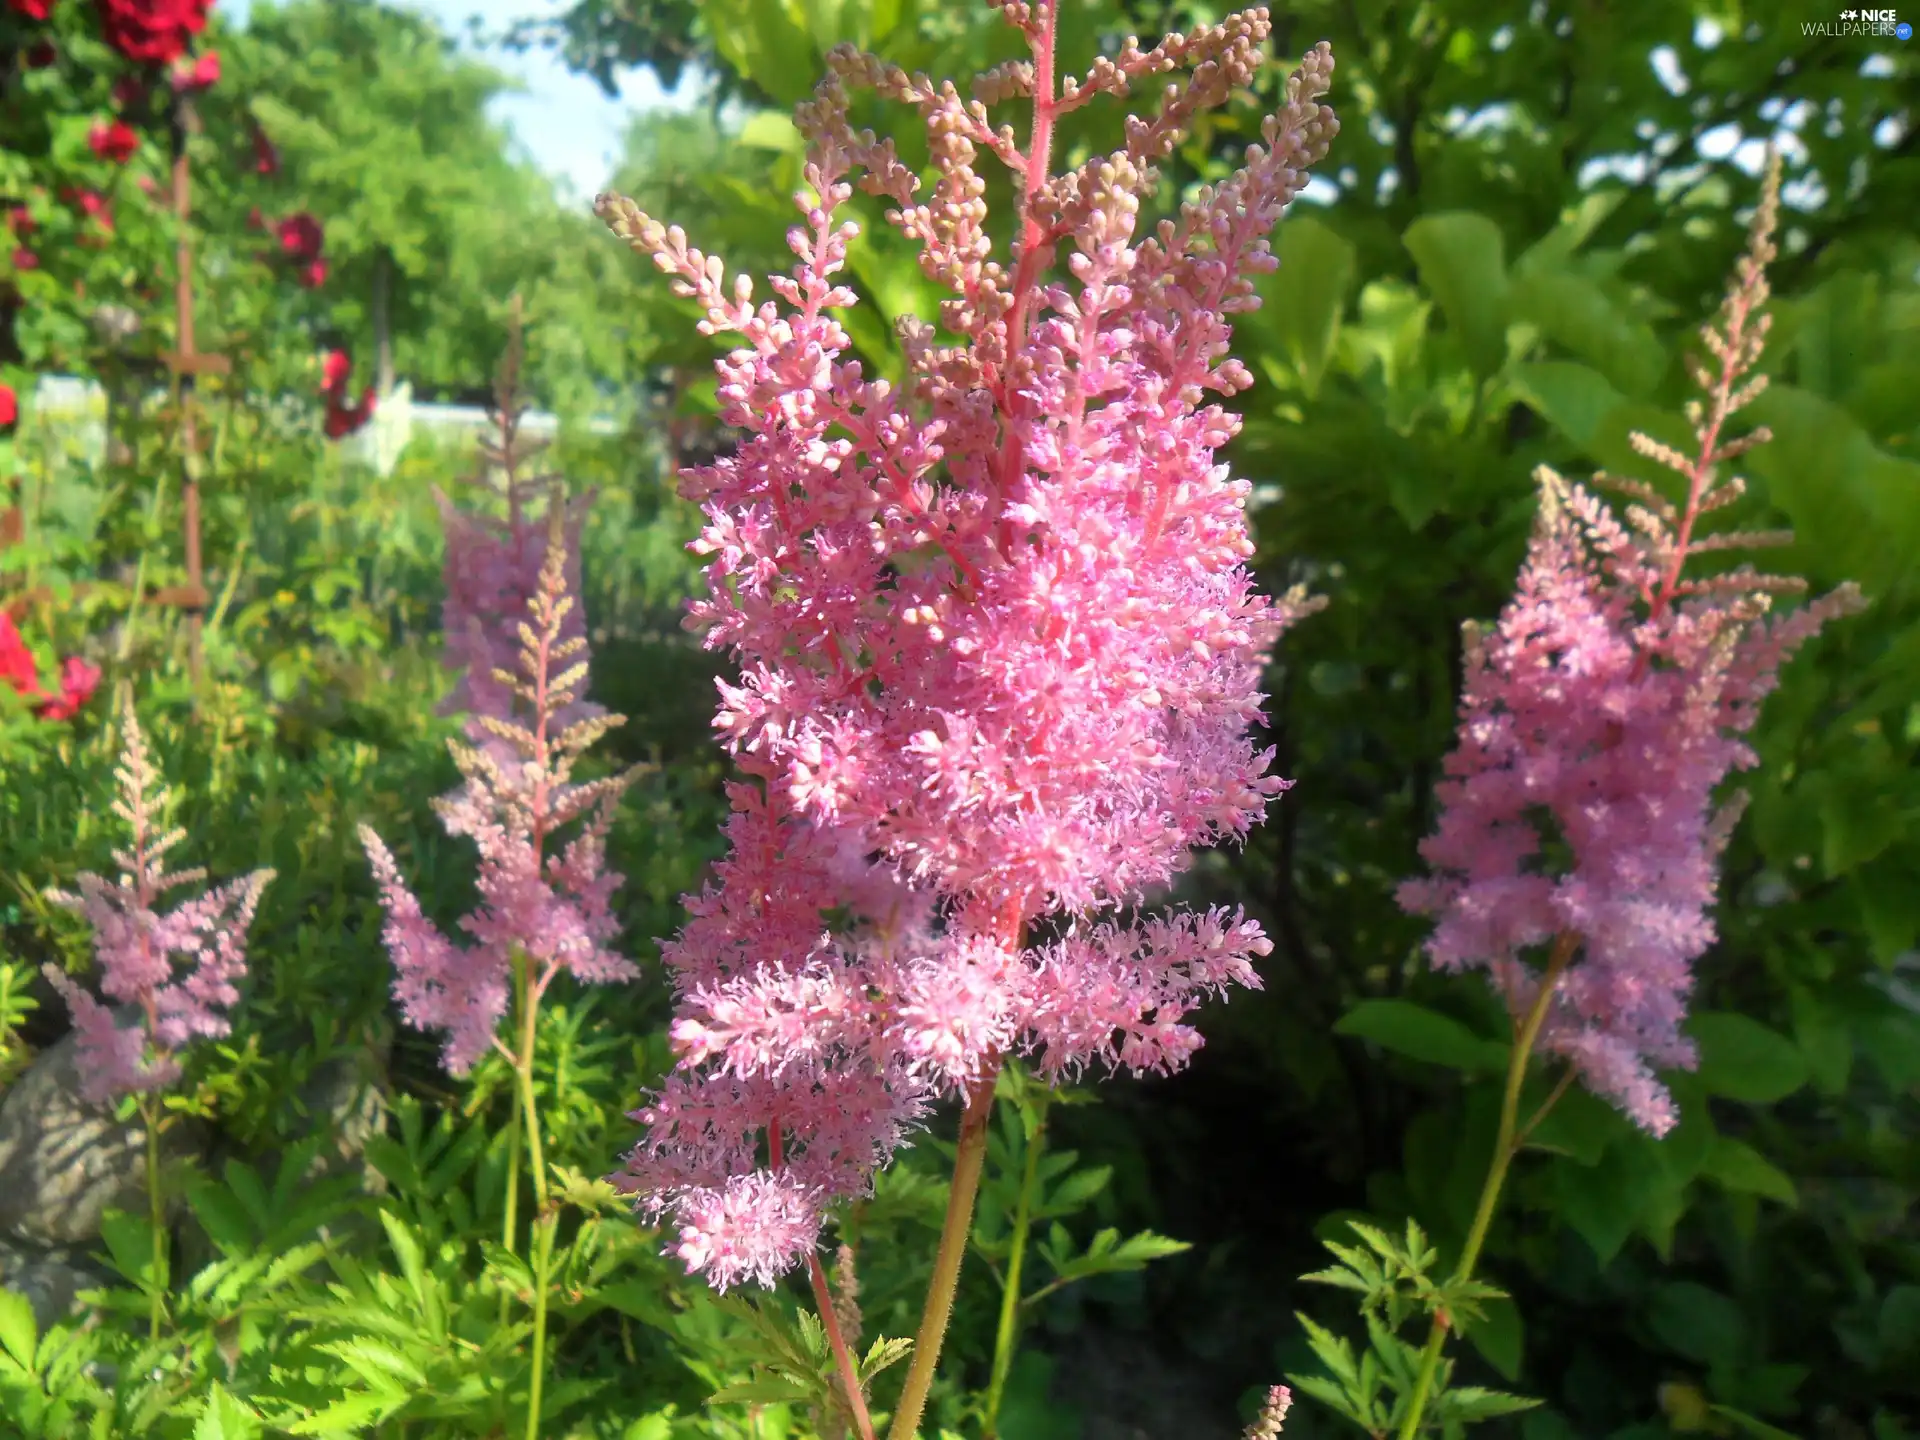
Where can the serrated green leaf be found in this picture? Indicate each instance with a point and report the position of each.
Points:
(18, 1334)
(226, 1418)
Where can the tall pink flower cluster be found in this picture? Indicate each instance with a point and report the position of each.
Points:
(137, 948)
(493, 566)
(552, 909)
(1596, 721)
(999, 646)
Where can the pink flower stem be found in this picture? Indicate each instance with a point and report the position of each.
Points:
(829, 1320)
(1506, 1145)
(967, 1163)
(849, 1377)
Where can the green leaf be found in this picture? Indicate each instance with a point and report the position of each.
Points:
(1499, 1337)
(1579, 316)
(1741, 1059)
(18, 1334)
(1306, 297)
(765, 1391)
(1462, 263)
(1749, 1425)
(1696, 1322)
(1422, 1034)
(1737, 1166)
(1575, 399)
(226, 1418)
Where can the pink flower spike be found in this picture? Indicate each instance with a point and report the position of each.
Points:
(136, 947)
(515, 796)
(999, 649)
(1599, 717)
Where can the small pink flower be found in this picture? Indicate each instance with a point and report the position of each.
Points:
(313, 274)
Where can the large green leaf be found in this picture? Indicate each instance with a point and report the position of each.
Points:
(1579, 316)
(1306, 297)
(1422, 1034)
(1741, 1059)
(1462, 265)
(1576, 399)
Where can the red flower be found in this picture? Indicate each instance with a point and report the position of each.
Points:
(266, 159)
(9, 406)
(343, 420)
(78, 680)
(301, 238)
(33, 9)
(25, 259)
(191, 79)
(115, 142)
(315, 275)
(334, 368)
(17, 665)
(151, 32)
(41, 54)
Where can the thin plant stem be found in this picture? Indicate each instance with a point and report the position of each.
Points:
(156, 1215)
(510, 1225)
(544, 1219)
(1506, 1145)
(1009, 1329)
(829, 1319)
(842, 1358)
(968, 1158)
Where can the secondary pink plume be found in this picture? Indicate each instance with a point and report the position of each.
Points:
(176, 971)
(1599, 717)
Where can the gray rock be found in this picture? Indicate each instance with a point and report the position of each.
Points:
(51, 1277)
(64, 1162)
(346, 1101)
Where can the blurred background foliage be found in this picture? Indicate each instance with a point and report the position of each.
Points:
(1530, 208)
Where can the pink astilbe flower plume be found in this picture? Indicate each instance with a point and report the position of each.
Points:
(177, 971)
(999, 648)
(553, 907)
(1599, 716)
(493, 566)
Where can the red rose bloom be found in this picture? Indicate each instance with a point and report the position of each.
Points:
(25, 259)
(301, 238)
(191, 79)
(266, 159)
(115, 142)
(78, 680)
(17, 667)
(315, 275)
(9, 406)
(335, 365)
(33, 9)
(152, 32)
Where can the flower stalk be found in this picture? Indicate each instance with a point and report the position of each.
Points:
(969, 1158)
(1508, 1139)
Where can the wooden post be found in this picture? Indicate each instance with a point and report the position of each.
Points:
(186, 362)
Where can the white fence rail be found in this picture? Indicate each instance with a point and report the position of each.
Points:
(395, 422)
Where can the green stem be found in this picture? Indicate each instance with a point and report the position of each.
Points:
(1003, 1340)
(544, 1220)
(971, 1152)
(1506, 1144)
(156, 1215)
(509, 1228)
